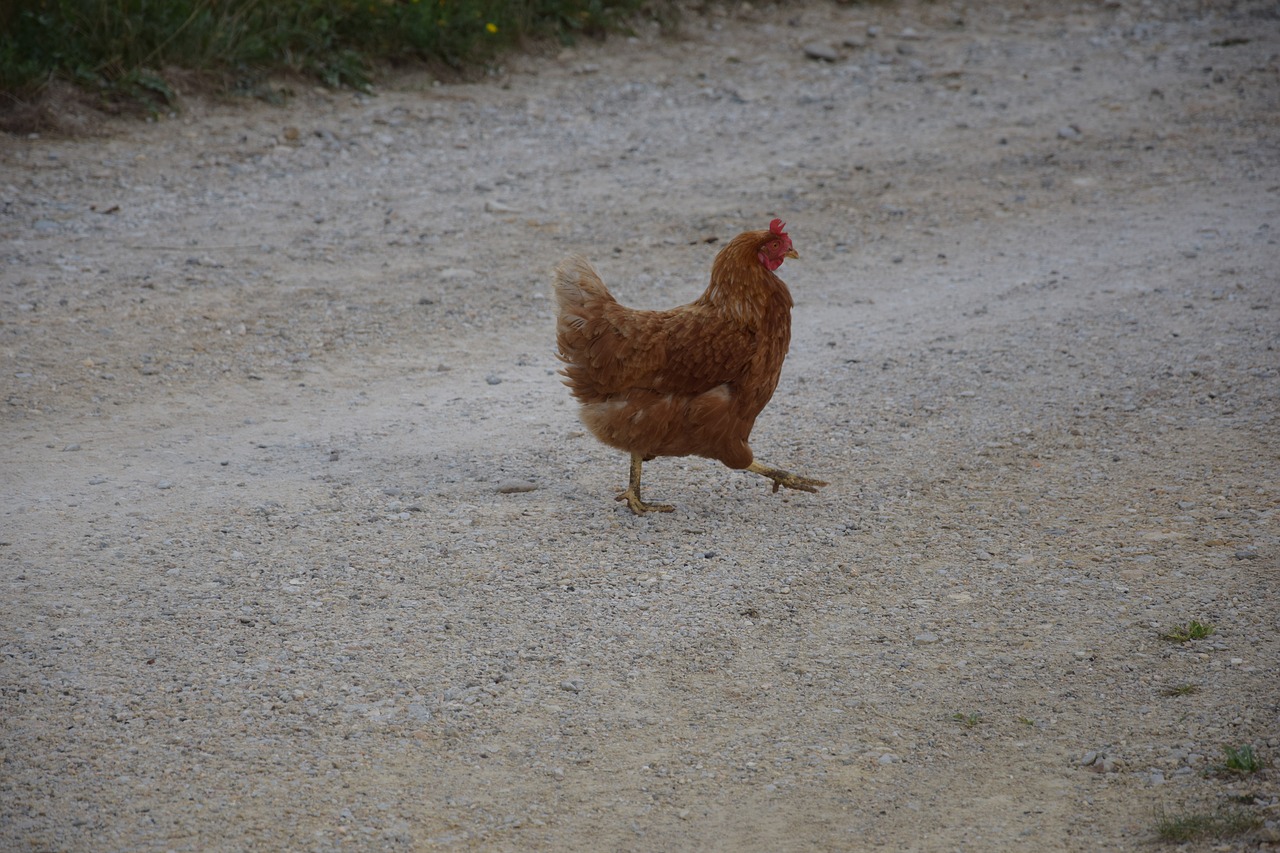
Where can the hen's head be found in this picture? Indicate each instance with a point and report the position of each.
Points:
(775, 247)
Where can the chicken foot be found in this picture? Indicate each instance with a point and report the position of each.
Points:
(632, 494)
(785, 478)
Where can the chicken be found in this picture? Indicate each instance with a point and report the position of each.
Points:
(688, 381)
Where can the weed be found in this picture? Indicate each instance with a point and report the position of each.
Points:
(1182, 690)
(1193, 630)
(1241, 759)
(967, 720)
(1191, 826)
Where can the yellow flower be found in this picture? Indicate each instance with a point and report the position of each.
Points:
(492, 28)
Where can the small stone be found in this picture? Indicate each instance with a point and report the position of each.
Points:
(164, 484)
(512, 487)
(821, 51)
(571, 685)
(926, 639)
(499, 207)
(1069, 131)
(71, 448)
(888, 758)
(493, 379)
(1088, 758)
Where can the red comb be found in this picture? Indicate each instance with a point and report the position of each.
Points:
(776, 227)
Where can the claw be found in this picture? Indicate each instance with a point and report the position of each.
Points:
(784, 478)
(632, 494)
(639, 507)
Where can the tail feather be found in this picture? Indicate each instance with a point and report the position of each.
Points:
(580, 296)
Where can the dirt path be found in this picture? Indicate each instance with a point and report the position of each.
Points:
(304, 547)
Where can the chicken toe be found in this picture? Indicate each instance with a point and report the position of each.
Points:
(632, 494)
(785, 478)
(639, 507)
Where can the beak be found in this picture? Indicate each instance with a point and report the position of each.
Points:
(791, 253)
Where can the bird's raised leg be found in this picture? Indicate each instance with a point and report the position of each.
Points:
(783, 478)
(632, 494)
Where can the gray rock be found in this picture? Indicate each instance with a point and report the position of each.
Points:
(821, 51)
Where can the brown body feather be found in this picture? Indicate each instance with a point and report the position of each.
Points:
(687, 381)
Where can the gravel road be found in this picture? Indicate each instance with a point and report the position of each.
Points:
(303, 546)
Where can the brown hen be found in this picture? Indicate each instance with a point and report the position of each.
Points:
(688, 381)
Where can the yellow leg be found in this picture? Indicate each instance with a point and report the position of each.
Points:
(783, 478)
(632, 494)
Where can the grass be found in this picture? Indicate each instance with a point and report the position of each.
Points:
(1182, 690)
(124, 48)
(967, 720)
(1221, 824)
(1241, 759)
(1193, 630)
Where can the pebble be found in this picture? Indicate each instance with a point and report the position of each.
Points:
(1069, 131)
(821, 51)
(925, 639)
(511, 487)
(888, 758)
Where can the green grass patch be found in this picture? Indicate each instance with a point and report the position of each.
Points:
(1222, 824)
(1241, 759)
(123, 46)
(1182, 690)
(967, 720)
(1193, 630)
